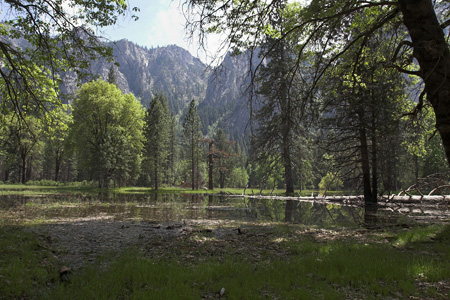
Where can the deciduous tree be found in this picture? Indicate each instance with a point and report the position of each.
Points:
(41, 39)
(107, 132)
(56, 132)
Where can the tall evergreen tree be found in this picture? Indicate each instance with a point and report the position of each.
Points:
(362, 118)
(326, 25)
(278, 116)
(112, 77)
(192, 135)
(157, 133)
(172, 157)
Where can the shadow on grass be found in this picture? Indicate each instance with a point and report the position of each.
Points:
(265, 262)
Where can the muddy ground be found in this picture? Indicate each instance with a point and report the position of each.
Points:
(77, 242)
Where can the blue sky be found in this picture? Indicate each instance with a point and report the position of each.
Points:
(160, 23)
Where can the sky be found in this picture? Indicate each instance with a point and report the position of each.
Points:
(160, 23)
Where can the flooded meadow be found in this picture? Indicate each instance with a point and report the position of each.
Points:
(179, 207)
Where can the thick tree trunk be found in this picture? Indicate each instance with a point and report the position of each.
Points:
(221, 177)
(374, 169)
(432, 53)
(365, 164)
(374, 155)
(29, 170)
(288, 167)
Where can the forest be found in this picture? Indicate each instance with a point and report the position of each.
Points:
(325, 115)
(112, 194)
(107, 138)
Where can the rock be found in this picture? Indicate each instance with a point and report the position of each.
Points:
(188, 229)
(222, 292)
(64, 274)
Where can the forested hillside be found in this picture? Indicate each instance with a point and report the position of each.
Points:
(181, 77)
(145, 72)
(269, 116)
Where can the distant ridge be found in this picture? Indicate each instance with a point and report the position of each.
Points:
(181, 77)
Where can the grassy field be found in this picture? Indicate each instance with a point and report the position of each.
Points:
(268, 261)
(397, 265)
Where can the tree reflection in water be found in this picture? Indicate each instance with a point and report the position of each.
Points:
(370, 214)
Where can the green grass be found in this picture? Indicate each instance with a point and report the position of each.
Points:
(311, 269)
(34, 189)
(333, 270)
(26, 265)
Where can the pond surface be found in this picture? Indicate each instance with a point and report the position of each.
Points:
(179, 207)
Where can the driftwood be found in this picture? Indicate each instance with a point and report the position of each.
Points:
(434, 183)
(404, 199)
(423, 199)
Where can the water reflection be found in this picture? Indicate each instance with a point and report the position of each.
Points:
(177, 207)
(370, 214)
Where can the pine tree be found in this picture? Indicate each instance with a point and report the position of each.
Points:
(277, 116)
(157, 134)
(112, 77)
(192, 134)
(222, 153)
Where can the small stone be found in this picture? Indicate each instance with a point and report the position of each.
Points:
(64, 273)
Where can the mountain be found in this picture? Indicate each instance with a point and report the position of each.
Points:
(181, 77)
(145, 72)
(226, 103)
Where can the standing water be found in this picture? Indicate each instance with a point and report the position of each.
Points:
(179, 207)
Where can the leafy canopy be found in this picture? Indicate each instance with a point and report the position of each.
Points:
(43, 38)
(107, 131)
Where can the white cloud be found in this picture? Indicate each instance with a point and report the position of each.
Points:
(161, 23)
(166, 27)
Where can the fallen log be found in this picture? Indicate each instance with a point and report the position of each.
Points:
(344, 199)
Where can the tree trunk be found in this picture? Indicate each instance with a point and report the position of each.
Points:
(23, 169)
(210, 167)
(288, 167)
(432, 53)
(58, 160)
(156, 171)
(374, 167)
(29, 170)
(374, 152)
(193, 162)
(365, 164)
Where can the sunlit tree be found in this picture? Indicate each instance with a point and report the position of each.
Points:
(107, 132)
